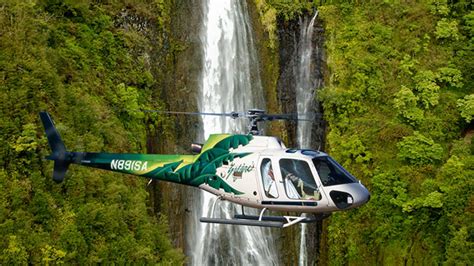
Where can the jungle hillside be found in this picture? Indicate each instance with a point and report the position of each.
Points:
(398, 101)
(88, 64)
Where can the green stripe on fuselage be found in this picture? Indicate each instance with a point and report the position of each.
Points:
(136, 164)
(192, 170)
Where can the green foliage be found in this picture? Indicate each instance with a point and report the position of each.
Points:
(290, 9)
(15, 253)
(52, 255)
(127, 99)
(397, 100)
(405, 102)
(426, 88)
(268, 18)
(270, 10)
(432, 200)
(460, 247)
(451, 76)
(27, 140)
(77, 61)
(419, 150)
(466, 107)
(446, 29)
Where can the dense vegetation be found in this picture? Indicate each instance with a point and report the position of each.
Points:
(399, 103)
(88, 64)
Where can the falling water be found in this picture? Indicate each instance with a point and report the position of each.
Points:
(306, 83)
(230, 82)
(305, 89)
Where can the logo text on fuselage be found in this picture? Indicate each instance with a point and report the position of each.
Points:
(236, 171)
(129, 165)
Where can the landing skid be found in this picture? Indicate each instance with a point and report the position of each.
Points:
(242, 222)
(282, 219)
(264, 221)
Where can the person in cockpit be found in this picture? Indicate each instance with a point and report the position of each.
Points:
(269, 183)
(299, 182)
(290, 188)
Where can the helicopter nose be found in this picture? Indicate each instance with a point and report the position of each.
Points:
(361, 195)
(349, 195)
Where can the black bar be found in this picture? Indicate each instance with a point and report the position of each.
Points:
(292, 203)
(242, 222)
(274, 218)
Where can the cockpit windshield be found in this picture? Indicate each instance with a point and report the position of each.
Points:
(298, 180)
(331, 173)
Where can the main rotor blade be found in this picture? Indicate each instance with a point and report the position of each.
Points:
(260, 117)
(231, 114)
(293, 117)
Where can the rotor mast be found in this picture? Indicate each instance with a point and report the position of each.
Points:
(254, 116)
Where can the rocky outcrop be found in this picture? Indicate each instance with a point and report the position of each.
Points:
(289, 37)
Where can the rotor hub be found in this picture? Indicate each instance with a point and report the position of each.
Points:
(254, 116)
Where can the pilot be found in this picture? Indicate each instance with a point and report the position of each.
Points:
(290, 188)
(269, 183)
(299, 192)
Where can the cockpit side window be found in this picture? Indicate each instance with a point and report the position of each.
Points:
(298, 180)
(331, 173)
(268, 179)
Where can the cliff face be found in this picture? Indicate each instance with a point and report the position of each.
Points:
(173, 57)
(278, 61)
(289, 37)
(377, 57)
(179, 90)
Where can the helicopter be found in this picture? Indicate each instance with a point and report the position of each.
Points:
(250, 170)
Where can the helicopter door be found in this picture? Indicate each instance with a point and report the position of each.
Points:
(298, 180)
(269, 183)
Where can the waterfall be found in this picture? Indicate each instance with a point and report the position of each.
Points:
(229, 82)
(306, 83)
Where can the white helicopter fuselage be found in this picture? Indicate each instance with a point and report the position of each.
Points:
(250, 170)
(295, 185)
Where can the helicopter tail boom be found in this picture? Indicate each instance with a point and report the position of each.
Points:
(155, 166)
(59, 155)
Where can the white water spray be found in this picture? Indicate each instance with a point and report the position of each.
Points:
(230, 82)
(306, 85)
(305, 89)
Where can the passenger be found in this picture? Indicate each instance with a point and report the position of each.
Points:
(290, 188)
(269, 183)
(299, 192)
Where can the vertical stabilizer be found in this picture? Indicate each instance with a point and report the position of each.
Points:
(59, 153)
